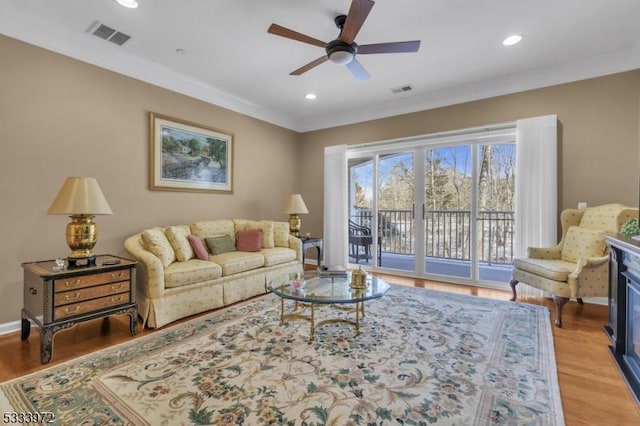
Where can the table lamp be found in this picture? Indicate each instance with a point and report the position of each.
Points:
(295, 206)
(81, 199)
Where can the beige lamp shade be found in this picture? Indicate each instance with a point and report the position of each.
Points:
(296, 205)
(81, 198)
(80, 195)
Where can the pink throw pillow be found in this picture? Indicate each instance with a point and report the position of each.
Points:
(198, 247)
(249, 240)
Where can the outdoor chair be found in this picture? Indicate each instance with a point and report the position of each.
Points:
(360, 240)
(578, 266)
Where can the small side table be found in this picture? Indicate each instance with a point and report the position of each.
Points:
(55, 300)
(307, 243)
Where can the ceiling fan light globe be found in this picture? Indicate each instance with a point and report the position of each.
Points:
(131, 4)
(341, 57)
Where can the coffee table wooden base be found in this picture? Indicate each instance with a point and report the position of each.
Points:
(297, 315)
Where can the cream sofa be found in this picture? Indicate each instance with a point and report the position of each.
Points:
(173, 283)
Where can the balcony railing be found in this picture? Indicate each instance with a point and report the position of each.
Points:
(448, 233)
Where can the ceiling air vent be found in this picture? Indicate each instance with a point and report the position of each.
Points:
(402, 89)
(98, 29)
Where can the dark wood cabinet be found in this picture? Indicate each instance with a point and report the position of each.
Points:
(623, 324)
(56, 299)
(615, 323)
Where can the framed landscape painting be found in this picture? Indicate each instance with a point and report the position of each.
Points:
(185, 156)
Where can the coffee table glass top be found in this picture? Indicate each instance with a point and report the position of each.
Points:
(326, 290)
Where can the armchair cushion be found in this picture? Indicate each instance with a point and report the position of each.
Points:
(582, 242)
(556, 270)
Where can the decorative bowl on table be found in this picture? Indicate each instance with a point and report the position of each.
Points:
(297, 284)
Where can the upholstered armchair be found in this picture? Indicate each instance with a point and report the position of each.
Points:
(578, 266)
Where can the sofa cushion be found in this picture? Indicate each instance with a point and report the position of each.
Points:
(249, 240)
(278, 255)
(177, 236)
(192, 271)
(198, 247)
(210, 228)
(582, 242)
(265, 225)
(280, 234)
(238, 261)
(556, 270)
(220, 244)
(155, 241)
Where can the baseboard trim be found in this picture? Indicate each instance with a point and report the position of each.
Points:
(10, 327)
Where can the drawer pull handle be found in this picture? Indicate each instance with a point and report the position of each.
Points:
(117, 299)
(117, 275)
(72, 283)
(117, 286)
(68, 311)
(74, 297)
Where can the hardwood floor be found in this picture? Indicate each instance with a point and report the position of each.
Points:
(593, 391)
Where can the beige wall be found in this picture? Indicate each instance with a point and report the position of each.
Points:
(60, 117)
(598, 137)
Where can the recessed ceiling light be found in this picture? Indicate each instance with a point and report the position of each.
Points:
(310, 96)
(131, 4)
(512, 39)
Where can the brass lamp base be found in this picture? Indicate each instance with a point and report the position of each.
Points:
(294, 224)
(82, 235)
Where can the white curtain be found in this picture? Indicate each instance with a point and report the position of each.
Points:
(336, 232)
(536, 187)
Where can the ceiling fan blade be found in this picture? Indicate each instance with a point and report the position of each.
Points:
(310, 65)
(358, 13)
(358, 70)
(294, 35)
(394, 47)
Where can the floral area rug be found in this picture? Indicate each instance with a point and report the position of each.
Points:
(423, 357)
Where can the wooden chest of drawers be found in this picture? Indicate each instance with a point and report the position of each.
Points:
(58, 299)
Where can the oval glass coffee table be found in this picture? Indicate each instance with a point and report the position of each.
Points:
(334, 292)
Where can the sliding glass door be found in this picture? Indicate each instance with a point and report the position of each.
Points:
(495, 210)
(438, 210)
(396, 211)
(448, 201)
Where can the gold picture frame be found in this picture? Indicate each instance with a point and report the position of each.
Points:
(186, 156)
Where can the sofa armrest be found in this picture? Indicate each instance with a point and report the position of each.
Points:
(295, 243)
(549, 253)
(152, 270)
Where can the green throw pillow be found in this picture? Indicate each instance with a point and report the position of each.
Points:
(220, 244)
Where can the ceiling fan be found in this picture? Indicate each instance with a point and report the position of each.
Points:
(343, 49)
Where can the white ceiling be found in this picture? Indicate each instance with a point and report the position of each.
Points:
(230, 60)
